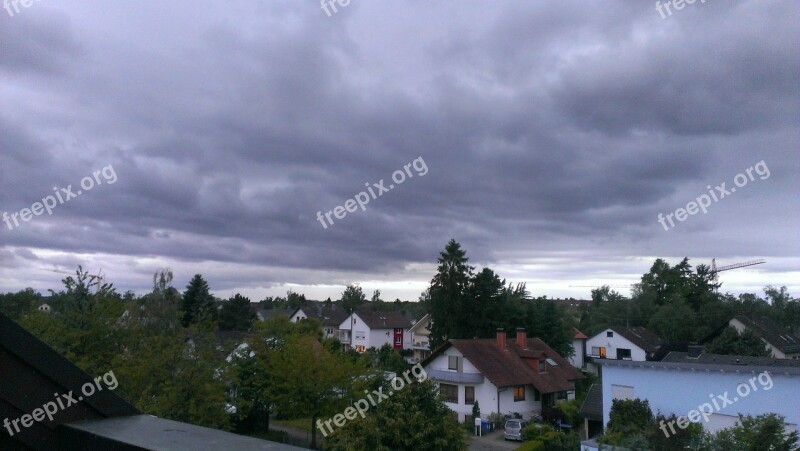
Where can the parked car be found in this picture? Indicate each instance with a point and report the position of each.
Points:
(513, 429)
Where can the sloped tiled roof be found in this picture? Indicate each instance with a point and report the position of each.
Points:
(507, 367)
(383, 319)
(771, 332)
(580, 335)
(592, 407)
(332, 315)
(641, 337)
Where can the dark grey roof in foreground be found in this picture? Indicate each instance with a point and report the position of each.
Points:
(592, 407)
(730, 360)
(675, 363)
(30, 373)
(147, 432)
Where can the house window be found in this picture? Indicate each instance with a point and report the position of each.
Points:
(599, 352)
(449, 392)
(561, 395)
(454, 363)
(360, 348)
(622, 392)
(359, 335)
(623, 354)
(542, 366)
(536, 395)
(469, 395)
(609, 334)
(519, 393)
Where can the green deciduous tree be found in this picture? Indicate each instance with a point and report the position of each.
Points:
(15, 305)
(413, 418)
(764, 432)
(675, 321)
(662, 437)
(352, 298)
(731, 342)
(309, 381)
(629, 416)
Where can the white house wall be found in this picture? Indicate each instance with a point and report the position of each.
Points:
(577, 358)
(485, 392)
(373, 338)
(740, 327)
(378, 338)
(298, 316)
(612, 344)
(678, 392)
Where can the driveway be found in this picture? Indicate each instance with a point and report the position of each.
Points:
(492, 441)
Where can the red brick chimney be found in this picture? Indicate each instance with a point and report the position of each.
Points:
(501, 338)
(522, 338)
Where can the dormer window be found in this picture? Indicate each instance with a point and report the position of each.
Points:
(543, 366)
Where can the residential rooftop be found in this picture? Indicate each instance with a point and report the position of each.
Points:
(680, 361)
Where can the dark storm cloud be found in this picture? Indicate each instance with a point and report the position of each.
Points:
(545, 127)
(42, 42)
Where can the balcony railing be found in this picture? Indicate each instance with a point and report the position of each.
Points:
(344, 336)
(421, 344)
(455, 376)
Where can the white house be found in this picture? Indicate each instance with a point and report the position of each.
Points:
(721, 386)
(372, 329)
(622, 343)
(330, 316)
(781, 342)
(420, 338)
(579, 349)
(520, 376)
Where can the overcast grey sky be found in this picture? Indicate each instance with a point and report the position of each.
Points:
(554, 133)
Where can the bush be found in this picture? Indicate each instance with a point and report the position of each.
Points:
(570, 411)
(546, 437)
(536, 445)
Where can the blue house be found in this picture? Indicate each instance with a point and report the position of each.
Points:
(704, 388)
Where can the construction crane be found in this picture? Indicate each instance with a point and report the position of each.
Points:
(604, 284)
(716, 270)
(99, 276)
